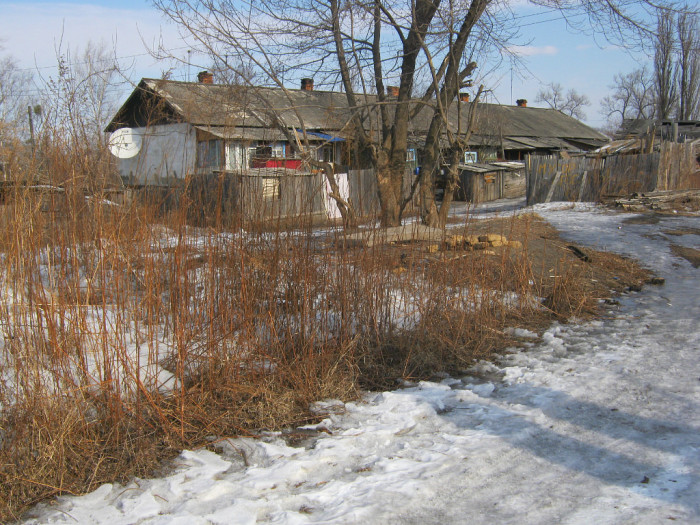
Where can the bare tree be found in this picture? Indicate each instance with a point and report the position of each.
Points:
(14, 84)
(664, 65)
(80, 99)
(77, 103)
(425, 47)
(632, 97)
(688, 64)
(672, 89)
(570, 103)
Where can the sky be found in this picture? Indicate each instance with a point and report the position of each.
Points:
(33, 32)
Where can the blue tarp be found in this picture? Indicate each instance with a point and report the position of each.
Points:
(324, 136)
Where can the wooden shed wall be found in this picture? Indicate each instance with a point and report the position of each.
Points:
(484, 187)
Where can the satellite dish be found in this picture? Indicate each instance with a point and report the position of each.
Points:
(125, 143)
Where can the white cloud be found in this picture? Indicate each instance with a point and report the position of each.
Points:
(531, 51)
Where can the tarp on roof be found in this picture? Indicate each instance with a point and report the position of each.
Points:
(324, 136)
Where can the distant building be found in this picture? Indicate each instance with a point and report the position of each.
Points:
(186, 128)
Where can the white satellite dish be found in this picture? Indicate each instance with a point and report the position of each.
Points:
(125, 143)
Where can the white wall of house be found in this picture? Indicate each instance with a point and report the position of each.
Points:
(167, 152)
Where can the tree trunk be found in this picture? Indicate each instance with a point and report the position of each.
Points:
(389, 183)
(428, 207)
(451, 183)
(429, 170)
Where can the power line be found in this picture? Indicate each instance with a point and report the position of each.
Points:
(116, 58)
(191, 48)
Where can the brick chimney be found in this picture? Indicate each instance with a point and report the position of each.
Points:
(204, 77)
(521, 102)
(307, 84)
(464, 97)
(392, 91)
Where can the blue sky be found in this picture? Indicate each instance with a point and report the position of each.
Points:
(31, 32)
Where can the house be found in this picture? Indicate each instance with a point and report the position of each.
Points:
(178, 129)
(503, 132)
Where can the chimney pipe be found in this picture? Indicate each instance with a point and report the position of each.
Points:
(204, 77)
(307, 84)
(464, 97)
(392, 91)
(521, 102)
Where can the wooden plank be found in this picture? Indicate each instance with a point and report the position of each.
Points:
(551, 188)
(583, 186)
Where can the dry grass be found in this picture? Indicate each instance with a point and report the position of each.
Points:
(129, 334)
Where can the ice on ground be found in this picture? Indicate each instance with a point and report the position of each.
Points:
(597, 422)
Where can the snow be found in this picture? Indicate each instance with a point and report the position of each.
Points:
(595, 422)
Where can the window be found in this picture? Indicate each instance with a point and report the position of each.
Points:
(251, 156)
(209, 154)
(278, 150)
(470, 157)
(410, 155)
(326, 153)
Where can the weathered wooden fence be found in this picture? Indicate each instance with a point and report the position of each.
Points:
(244, 198)
(252, 198)
(674, 167)
(364, 194)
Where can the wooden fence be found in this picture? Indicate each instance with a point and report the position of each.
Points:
(365, 197)
(674, 167)
(245, 198)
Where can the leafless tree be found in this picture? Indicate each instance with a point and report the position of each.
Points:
(14, 84)
(570, 102)
(672, 89)
(688, 32)
(425, 47)
(79, 100)
(632, 97)
(665, 70)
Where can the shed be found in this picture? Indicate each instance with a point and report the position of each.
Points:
(488, 181)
